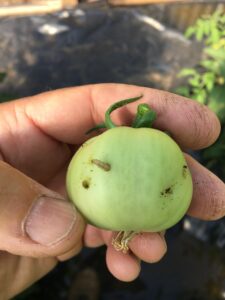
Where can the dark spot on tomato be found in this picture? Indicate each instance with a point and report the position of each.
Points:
(184, 171)
(86, 184)
(166, 192)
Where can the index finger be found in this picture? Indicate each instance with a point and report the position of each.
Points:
(67, 114)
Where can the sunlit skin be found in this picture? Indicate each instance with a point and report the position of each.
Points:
(39, 135)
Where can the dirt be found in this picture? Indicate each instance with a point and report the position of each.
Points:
(91, 44)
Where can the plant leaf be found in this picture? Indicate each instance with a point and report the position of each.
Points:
(187, 72)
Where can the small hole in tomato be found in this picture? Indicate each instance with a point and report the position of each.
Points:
(86, 184)
(168, 191)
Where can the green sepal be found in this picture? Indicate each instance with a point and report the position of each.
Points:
(145, 116)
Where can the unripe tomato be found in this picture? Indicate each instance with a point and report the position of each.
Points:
(130, 179)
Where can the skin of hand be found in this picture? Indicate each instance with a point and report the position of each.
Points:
(38, 137)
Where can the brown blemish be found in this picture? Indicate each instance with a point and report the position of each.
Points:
(101, 164)
(166, 192)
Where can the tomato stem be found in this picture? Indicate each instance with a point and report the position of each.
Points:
(108, 121)
(144, 118)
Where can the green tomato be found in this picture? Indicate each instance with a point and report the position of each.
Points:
(130, 179)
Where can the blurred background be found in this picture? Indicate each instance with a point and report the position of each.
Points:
(177, 46)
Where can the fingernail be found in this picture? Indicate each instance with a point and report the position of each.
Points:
(49, 220)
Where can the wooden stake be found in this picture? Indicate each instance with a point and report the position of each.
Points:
(33, 7)
(24, 10)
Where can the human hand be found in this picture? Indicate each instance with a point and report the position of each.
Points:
(38, 137)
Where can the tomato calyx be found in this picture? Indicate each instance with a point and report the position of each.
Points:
(144, 117)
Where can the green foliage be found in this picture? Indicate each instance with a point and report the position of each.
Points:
(206, 82)
(210, 28)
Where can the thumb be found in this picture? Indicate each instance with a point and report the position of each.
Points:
(35, 221)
